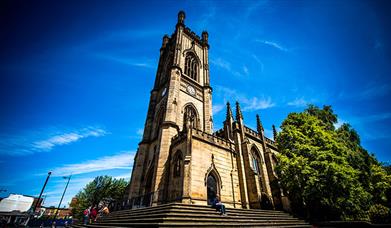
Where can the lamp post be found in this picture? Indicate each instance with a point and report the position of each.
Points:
(66, 186)
(40, 194)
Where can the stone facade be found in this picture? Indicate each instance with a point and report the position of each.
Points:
(180, 158)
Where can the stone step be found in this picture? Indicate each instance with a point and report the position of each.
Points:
(202, 208)
(190, 211)
(174, 224)
(199, 220)
(194, 206)
(185, 215)
(197, 215)
(216, 220)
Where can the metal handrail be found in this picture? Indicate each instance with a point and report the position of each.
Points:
(134, 202)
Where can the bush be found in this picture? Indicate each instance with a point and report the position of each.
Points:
(379, 214)
(359, 216)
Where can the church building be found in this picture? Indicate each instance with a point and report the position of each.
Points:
(180, 158)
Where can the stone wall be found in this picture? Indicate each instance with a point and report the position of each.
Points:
(223, 162)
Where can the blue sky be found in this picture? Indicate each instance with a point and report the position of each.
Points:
(75, 76)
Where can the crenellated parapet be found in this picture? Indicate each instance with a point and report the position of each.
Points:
(204, 136)
(213, 139)
(181, 23)
(256, 135)
(250, 131)
(195, 37)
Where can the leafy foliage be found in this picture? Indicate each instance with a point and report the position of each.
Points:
(325, 171)
(101, 189)
(379, 214)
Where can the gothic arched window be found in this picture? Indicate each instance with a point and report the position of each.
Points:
(191, 116)
(158, 121)
(178, 161)
(191, 66)
(255, 160)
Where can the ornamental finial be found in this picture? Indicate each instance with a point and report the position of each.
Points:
(259, 124)
(239, 115)
(165, 40)
(229, 112)
(274, 132)
(205, 36)
(181, 17)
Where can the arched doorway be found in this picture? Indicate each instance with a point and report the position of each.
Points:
(266, 202)
(212, 188)
(148, 190)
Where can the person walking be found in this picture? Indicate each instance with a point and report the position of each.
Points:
(105, 210)
(93, 214)
(86, 213)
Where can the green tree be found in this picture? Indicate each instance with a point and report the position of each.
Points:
(387, 168)
(325, 172)
(101, 189)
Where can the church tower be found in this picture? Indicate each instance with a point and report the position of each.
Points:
(181, 98)
(180, 158)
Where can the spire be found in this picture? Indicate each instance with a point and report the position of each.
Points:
(205, 36)
(181, 17)
(274, 132)
(229, 112)
(238, 112)
(259, 124)
(165, 40)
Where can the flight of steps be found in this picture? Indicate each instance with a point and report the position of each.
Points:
(185, 215)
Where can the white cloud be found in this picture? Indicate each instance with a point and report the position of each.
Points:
(245, 70)
(63, 139)
(122, 160)
(259, 62)
(273, 44)
(256, 103)
(298, 102)
(247, 103)
(45, 140)
(219, 62)
(146, 63)
(217, 108)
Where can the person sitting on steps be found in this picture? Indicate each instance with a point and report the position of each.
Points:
(216, 203)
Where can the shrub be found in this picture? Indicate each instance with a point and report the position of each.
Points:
(379, 214)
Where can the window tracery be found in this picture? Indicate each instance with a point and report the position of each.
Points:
(191, 66)
(190, 115)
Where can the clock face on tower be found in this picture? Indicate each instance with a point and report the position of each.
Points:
(190, 89)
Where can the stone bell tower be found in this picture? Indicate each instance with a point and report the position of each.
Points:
(181, 97)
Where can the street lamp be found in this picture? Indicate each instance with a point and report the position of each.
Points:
(40, 194)
(66, 186)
